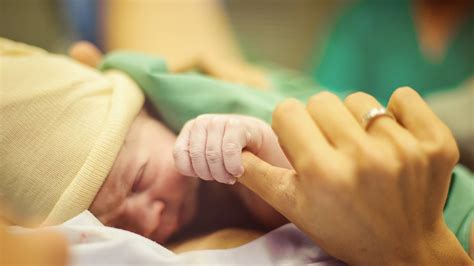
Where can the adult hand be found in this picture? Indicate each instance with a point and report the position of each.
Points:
(38, 248)
(86, 53)
(372, 197)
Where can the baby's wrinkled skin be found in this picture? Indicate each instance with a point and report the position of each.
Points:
(153, 194)
(144, 193)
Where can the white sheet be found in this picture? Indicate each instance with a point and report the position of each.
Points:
(95, 244)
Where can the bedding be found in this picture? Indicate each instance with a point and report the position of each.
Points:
(92, 243)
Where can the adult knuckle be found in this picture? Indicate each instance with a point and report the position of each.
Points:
(451, 152)
(408, 149)
(371, 160)
(363, 149)
(306, 165)
(321, 171)
(388, 171)
(395, 169)
(443, 150)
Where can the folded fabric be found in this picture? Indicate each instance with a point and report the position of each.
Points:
(62, 126)
(180, 97)
(91, 243)
(459, 208)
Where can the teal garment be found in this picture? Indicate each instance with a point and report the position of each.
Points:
(180, 97)
(459, 208)
(374, 48)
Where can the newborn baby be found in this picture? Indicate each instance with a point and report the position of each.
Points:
(80, 139)
(150, 189)
(145, 193)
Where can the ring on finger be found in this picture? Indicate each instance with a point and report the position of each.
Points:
(373, 114)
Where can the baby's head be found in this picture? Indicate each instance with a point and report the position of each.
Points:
(143, 192)
(74, 139)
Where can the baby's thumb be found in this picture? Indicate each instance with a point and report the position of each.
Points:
(275, 185)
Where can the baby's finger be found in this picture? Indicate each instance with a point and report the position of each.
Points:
(181, 155)
(215, 160)
(197, 147)
(232, 144)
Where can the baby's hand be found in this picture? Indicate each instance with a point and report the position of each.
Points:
(210, 146)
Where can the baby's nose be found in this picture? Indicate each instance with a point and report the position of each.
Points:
(144, 214)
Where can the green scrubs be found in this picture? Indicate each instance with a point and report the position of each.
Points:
(178, 98)
(374, 48)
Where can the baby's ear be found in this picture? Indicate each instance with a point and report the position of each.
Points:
(86, 53)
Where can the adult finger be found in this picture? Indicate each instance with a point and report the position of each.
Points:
(179, 65)
(181, 154)
(382, 127)
(277, 186)
(215, 159)
(232, 144)
(395, 144)
(434, 136)
(334, 120)
(86, 53)
(298, 135)
(416, 116)
(197, 147)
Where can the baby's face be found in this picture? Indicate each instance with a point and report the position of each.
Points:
(144, 193)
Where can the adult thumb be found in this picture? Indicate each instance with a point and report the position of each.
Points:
(277, 186)
(39, 248)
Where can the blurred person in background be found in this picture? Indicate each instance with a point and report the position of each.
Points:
(378, 46)
(215, 52)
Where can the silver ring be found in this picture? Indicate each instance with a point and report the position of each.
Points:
(374, 113)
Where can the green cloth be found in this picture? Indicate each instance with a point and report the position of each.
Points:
(374, 48)
(180, 97)
(459, 208)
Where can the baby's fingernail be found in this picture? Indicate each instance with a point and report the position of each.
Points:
(231, 181)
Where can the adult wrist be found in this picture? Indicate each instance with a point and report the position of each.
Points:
(440, 247)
